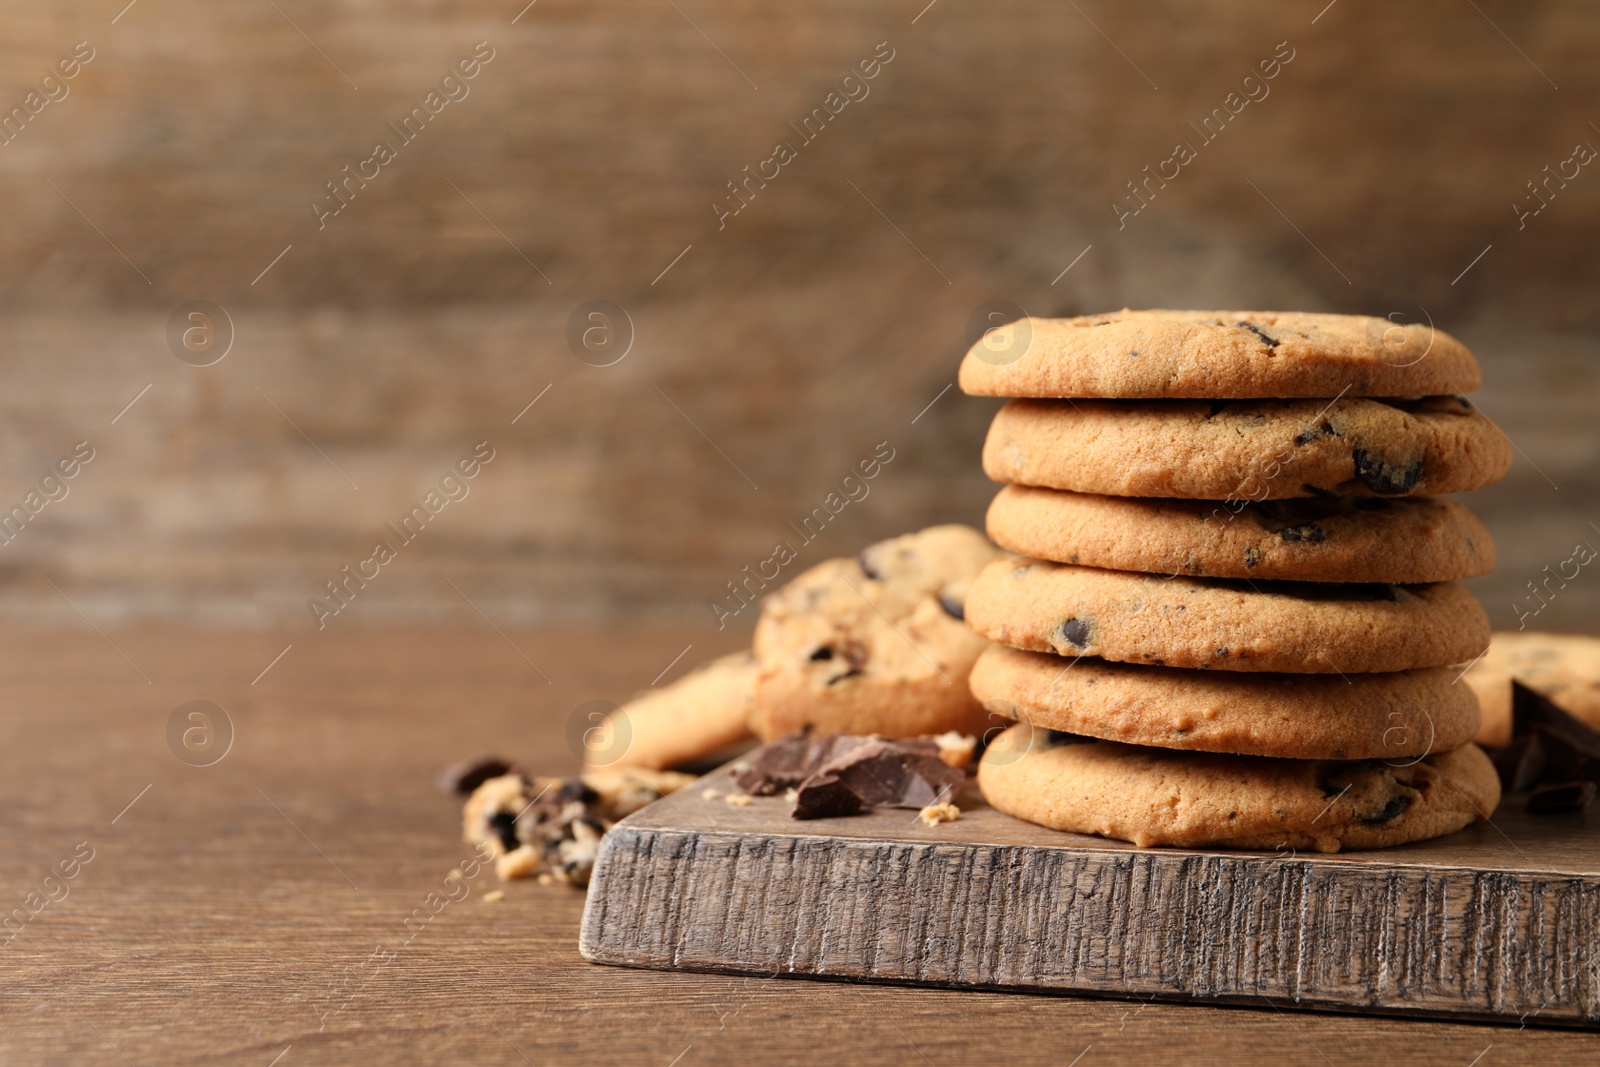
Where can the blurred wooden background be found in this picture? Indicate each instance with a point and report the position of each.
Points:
(776, 352)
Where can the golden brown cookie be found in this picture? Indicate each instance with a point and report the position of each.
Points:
(874, 644)
(1291, 716)
(1562, 667)
(1221, 354)
(1225, 624)
(1320, 539)
(700, 714)
(1154, 797)
(1247, 450)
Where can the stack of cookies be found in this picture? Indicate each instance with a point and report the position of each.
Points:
(1238, 611)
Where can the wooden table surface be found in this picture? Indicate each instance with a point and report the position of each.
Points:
(254, 911)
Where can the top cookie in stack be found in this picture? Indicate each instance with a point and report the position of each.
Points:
(1230, 511)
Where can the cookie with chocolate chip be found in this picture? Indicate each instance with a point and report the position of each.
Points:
(1317, 539)
(1564, 668)
(700, 714)
(1247, 450)
(874, 644)
(1217, 354)
(1154, 797)
(1392, 716)
(1223, 623)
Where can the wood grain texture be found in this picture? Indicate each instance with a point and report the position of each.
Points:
(1500, 920)
(796, 337)
(207, 930)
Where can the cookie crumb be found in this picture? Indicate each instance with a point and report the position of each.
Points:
(738, 800)
(709, 794)
(547, 878)
(956, 748)
(791, 795)
(494, 896)
(518, 863)
(934, 814)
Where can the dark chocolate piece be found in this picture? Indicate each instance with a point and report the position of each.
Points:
(463, 777)
(1076, 631)
(1309, 532)
(824, 796)
(1561, 797)
(866, 567)
(1381, 476)
(1392, 809)
(952, 607)
(1270, 342)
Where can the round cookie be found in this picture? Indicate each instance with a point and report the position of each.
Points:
(1225, 624)
(1246, 449)
(1217, 354)
(876, 644)
(1565, 668)
(700, 714)
(1290, 716)
(1153, 797)
(1318, 539)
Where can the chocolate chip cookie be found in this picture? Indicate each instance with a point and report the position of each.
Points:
(1217, 354)
(874, 644)
(1247, 450)
(1317, 539)
(1565, 668)
(1154, 797)
(1225, 624)
(700, 714)
(1291, 716)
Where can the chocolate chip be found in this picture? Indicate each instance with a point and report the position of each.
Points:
(1391, 810)
(1075, 631)
(1270, 342)
(1309, 532)
(1561, 797)
(464, 777)
(824, 652)
(1252, 556)
(503, 824)
(574, 789)
(1133, 353)
(952, 607)
(1381, 476)
(1222, 652)
(824, 796)
(851, 672)
(866, 566)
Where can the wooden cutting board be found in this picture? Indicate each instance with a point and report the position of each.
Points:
(1502, 919)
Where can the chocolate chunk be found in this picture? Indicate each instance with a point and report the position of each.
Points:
(1133, 353)
(1520, 763)
(1309, 532)
(1381, 476)
(1391, 810)
(1252, 556)
(1311, 433)
(1075, 631)
(839, 774)
(825, 652)
(504, 826)
(824, 796)
(952, 607)
(849, 672)
(1270, 342)
(896, 774)
(788, 761)
(1548, 746)
(1561, 797)
(866, 566)
(462, 778)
